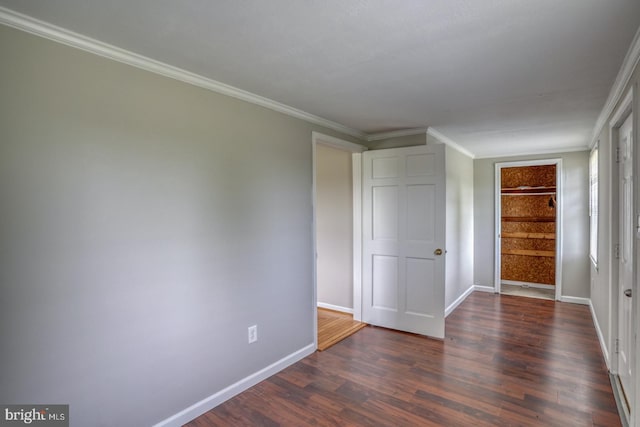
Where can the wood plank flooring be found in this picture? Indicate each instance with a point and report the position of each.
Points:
(506, 361)
(334, 326)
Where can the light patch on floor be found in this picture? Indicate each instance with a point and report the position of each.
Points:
(529, 292)
(334, 326)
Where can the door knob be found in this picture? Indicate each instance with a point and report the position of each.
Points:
(627, 293)
(437, 252)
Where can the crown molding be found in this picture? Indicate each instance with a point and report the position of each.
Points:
(340, 144)
(61, 35)
(52, 32)
(451, 143)
(535, 153)
(630, 62)
(395, 134)
(417, 131)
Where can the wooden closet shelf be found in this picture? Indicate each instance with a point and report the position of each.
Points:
(525, 235)
(529, 218)
(528, 252)
(528, 190)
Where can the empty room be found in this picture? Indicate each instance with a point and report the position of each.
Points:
(305, 213)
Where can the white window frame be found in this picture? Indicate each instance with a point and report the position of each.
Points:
(593, 205)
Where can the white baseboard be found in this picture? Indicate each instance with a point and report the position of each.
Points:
(482, 288)
(216, 399)
(575, 300)
(335, 307)
(458, 301)
(603, 345)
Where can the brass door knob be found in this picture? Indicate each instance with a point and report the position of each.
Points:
(437, 252)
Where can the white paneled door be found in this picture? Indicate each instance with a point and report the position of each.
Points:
(625, 259)
(403, 250)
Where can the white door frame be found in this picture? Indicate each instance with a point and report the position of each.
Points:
(635, 402)
(498, 218)
(625, 108)
(356, 159)
(635, 120)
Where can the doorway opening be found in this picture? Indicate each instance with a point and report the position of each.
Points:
(528, 238)
(336, 238)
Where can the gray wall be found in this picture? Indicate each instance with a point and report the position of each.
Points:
(459, 224)
(145, 225)
(575, 220)
(334, 229)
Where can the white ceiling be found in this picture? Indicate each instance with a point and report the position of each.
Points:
(496, 76)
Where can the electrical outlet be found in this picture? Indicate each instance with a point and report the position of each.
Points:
(253, 333)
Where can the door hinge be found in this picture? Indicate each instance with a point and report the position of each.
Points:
(617, 349)
(616, 251)
(618, 154)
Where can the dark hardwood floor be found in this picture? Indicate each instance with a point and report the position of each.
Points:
(506, 361)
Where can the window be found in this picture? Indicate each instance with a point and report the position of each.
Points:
(593, 204)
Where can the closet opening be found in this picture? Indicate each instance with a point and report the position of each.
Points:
(528, 229)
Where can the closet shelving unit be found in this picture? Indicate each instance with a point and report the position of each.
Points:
(528, 225)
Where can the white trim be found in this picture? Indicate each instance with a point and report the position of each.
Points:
(335, 307)
(559, 227)
(603, 345)
(618, 116)
(58, 34)
(614, 235)
(458, 301)
(618, 394)
(635, 306)
(337, 143)
(227, 393)
(417, 131)
(536, 153)
(482, 288)
(448, 141)
(395, 134)
(575, 300)
(595, 149)
(627, 107)
(61, 35)
(629, 63)
(527, 284)
(623, 110)
(498, 216)
(534, 162)
(314, 242)
(356, 162)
